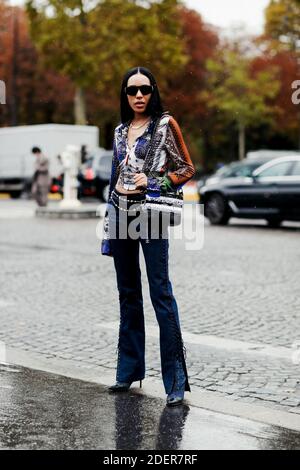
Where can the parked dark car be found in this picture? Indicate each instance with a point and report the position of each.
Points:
(231, 170)
(271, 192)
(57, 184)
(93, 176)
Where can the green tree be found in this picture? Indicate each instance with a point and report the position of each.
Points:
(242, 97)
(283, 23)
(63, 34)
(93, 43)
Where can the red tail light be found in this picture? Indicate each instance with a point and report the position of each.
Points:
(89, 174)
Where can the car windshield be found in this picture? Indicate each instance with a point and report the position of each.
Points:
(237, 169)
(277, 169)
(89, 162)
(104, 163)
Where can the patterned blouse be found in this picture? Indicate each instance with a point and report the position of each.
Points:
(134, 160)
(169, 153)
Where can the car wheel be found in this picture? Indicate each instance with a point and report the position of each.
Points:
(105, 192)
(216, 210)
(274, 221)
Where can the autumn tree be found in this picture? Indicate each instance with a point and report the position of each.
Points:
(34, 94)
(183, 92)
(7, 64)
(94, 42)
(282, 31)
(179, 91)
(283, 24)
(286, 119)
(241, 96)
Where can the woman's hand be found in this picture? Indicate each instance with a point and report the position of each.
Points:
(140, 180)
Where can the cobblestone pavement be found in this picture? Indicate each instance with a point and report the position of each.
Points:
(58, 298)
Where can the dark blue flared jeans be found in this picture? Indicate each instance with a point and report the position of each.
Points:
(131, 344)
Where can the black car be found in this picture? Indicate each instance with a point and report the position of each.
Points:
(231, 170)
(94, 175)
(272, 192)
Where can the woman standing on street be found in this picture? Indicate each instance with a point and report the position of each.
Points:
(141, 109)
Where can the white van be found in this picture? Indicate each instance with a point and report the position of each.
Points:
(16, 160)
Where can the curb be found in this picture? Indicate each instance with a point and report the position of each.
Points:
(199, 399)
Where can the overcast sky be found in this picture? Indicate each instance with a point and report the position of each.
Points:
(226, 13)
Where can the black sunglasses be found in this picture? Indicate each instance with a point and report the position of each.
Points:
(133, 89)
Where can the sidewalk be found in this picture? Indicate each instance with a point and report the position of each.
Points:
(41, 410)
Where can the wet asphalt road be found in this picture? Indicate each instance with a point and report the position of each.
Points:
(39, 410)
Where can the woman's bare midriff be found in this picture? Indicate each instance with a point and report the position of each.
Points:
(128, 191)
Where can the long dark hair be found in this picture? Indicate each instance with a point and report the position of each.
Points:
(154, 107)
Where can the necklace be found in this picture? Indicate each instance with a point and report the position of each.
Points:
(138, 127)
(130, 147)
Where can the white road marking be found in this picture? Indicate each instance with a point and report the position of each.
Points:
(218, 342)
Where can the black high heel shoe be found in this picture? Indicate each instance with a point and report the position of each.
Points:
(121, 386)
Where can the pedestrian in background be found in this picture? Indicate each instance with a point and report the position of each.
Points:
(140, 109)
(41, 179)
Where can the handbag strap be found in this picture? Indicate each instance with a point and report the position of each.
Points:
(152, 141)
